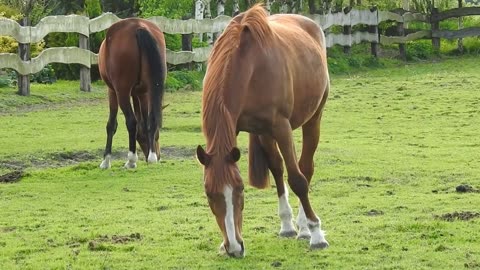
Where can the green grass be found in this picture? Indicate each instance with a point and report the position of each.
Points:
(396, 140)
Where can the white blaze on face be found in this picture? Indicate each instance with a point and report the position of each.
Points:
(234, 247)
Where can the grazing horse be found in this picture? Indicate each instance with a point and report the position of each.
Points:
(132, 63)
(266, 75)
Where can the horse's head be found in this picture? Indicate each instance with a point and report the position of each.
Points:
(224, 190)
(142, 139)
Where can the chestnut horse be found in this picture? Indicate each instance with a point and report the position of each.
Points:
(266, 75)
(132, 63)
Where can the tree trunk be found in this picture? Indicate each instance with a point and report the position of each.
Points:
(311, 7)
(199, 7)
(208, 15)
(236, 8)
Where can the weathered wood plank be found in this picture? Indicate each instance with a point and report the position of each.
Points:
(13, 29)
(454, 34)
(385, 40)
(454, 13)
(102, 22)
(65, 55)
(167, 25)
(349, 40)
(190, 26)
(389, 16)
(50, 24)
(175, 58)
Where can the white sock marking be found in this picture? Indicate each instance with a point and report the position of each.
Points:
(152, 157)
(234, 247)
(303, 231)
(106, 162)
(285, 213)
(131, 160)
(318, 236)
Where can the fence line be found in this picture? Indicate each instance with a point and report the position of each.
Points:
(346, 19)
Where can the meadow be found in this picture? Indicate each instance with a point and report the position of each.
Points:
(396, 142)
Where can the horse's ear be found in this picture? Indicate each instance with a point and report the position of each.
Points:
(202, 156)
(245, 40)
(234, 154)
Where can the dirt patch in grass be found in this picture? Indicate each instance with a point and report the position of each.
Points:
(98, 244)
(464, 188)
(62, 159)
(463, 216)
(11, 177)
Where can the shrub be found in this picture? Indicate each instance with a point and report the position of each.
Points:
(182, 79)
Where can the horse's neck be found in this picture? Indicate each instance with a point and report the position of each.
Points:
(220, 128)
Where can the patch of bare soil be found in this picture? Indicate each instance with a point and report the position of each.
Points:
(11, 177)
(463, 216)
(374, 212)
(97, 243)
(464, 188)
(61, 159)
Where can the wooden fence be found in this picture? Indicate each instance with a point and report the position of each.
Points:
(346, 19)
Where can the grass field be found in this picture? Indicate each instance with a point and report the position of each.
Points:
(395, 144)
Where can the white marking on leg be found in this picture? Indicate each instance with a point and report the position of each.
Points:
(234, 247)
(285, 212)
(106, 162)
(152, 157)
(303, 231)
(317, 241)
(131, 160)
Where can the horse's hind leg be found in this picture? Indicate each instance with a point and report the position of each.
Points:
(311, 136)
(275, 164)
(298, 182)
(111, 128)
(131, 123)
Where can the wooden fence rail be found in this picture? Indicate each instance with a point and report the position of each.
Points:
(346, 19)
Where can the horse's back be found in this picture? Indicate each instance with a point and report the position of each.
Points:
(119, 55)
(303, 79)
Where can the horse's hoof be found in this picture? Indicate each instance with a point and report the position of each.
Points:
(321, 245)
(105, 165)
(288, 234)
(129, 165)
(304, 235)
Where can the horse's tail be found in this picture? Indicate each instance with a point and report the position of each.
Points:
(255, 21)
(258, 163)
(148, 45)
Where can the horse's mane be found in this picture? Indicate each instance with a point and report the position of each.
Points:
(218, 125)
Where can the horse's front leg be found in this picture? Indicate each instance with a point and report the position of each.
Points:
(111, 129)
(275, 164)
(298, 182)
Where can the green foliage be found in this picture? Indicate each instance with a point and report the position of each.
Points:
(174, 9)
(181, 79)
(46, 75)
(419, 50)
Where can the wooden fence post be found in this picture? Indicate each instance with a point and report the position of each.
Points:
(402, 46)
(24, 53)
(347, 30)
(187, 45)
(374, 30)
(85, 77)
(460, 26)
(435, 28)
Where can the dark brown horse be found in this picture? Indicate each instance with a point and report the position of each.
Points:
(132, 63)
(266, 75)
